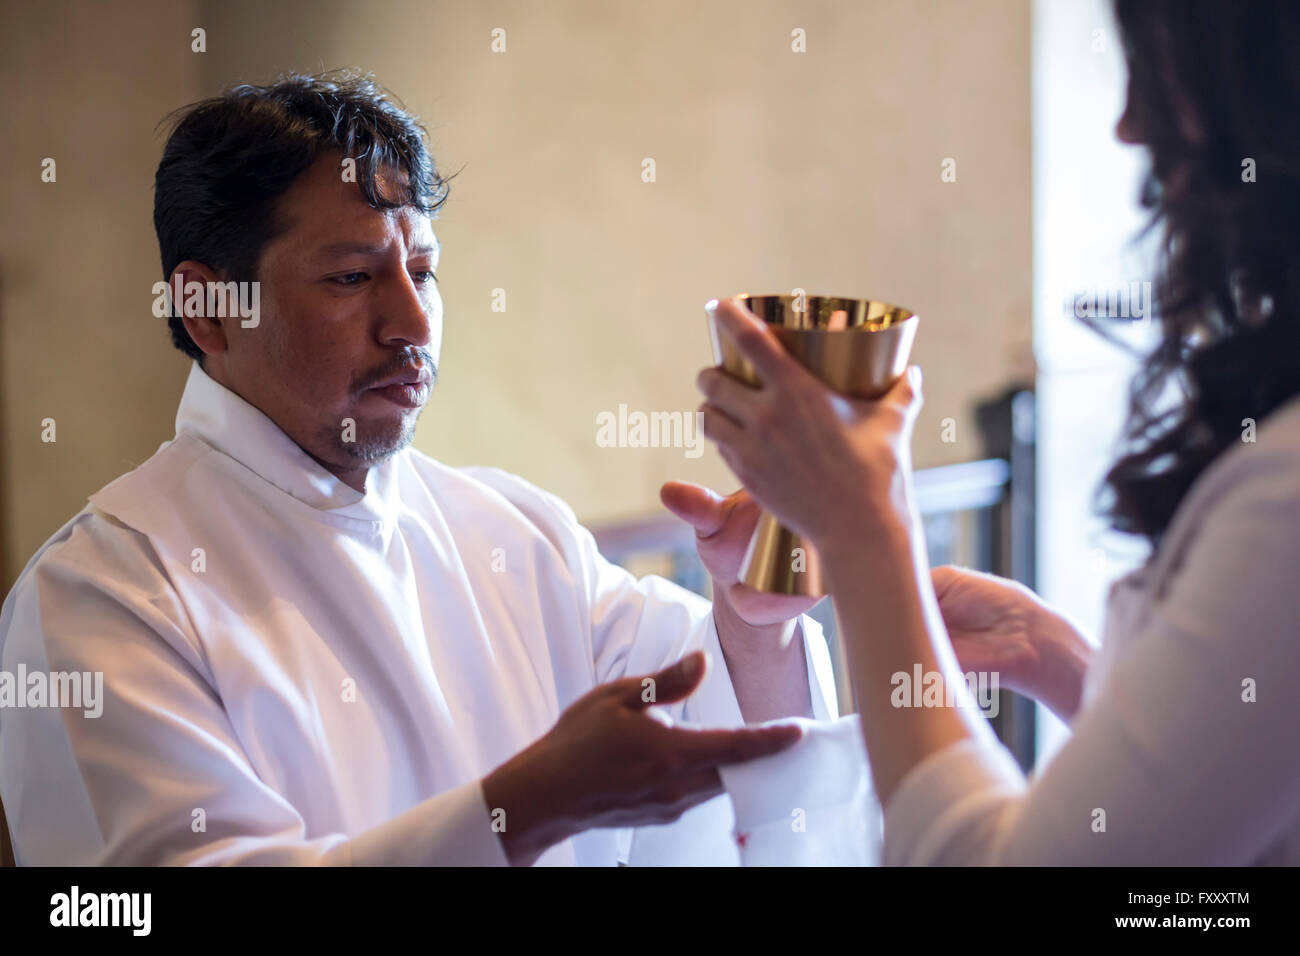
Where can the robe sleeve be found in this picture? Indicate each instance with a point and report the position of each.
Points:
(158, 775)
(639, 626)
(1185, 753)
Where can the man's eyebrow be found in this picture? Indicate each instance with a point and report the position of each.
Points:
(374, 249)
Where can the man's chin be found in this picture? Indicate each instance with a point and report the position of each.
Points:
(373, 440)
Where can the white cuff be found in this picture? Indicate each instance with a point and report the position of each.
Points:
(451, 829)
(809, 805)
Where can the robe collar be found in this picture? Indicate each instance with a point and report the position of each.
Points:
(224, 421)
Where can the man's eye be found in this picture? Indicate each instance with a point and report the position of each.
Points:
(352, 278)
(424, 275)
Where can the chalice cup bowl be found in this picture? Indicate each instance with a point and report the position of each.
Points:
(858, 347)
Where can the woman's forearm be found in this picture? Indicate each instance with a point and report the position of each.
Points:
(890, 623)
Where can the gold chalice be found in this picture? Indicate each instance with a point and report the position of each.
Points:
(859, 347)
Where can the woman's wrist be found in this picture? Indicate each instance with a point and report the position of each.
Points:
(856, 555)
(1063, 657)
(878, 524)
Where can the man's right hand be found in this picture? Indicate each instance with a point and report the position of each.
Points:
(612, 761)
(996, 624)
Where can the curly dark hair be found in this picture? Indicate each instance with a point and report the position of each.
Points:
(229, 158)
(1214, 93)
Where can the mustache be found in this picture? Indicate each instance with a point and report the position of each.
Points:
(407, 360)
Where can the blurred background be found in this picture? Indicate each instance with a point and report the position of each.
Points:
(618, 164)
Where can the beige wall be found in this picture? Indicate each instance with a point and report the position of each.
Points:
(85, 84)
(774, 170)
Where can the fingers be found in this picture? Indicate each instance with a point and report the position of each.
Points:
(944, 577)
(719, 428)
(754, 341)
(701, 508)
(727, 394)
(668, 801)
(906, 392)
(948, 576)
(673, 683)
(712, 748)
(692, 790)
(707, 511)
(740, 514)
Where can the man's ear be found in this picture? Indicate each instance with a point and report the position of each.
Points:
(199, 297)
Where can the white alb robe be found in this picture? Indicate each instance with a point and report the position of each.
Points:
(298, 673)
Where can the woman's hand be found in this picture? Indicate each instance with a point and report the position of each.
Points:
(1001, 626)
(827, 466)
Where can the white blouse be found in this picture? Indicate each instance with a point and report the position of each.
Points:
(297, 673)
(1186, 748)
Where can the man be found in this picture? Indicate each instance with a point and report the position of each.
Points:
(320, 646)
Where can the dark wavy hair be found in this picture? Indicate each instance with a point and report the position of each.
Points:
(229, 158)
(1227, 288)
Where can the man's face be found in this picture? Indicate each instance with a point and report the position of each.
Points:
(348, 305)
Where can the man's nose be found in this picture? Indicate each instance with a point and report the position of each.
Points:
(407, 314)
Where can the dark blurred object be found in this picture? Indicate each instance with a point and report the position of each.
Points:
(1009, 431)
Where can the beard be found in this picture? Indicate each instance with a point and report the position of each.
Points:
(362, 440)
(378, 441)
(373, 442)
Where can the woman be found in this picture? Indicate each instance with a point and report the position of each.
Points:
(1183, 747)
